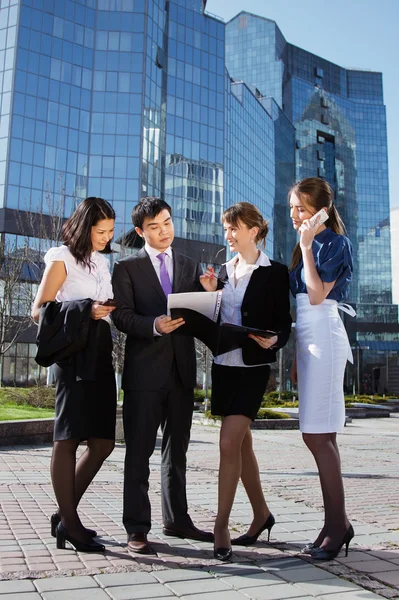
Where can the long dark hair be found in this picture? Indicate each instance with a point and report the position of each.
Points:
(248, 214)
(76, 231)
(316, 193)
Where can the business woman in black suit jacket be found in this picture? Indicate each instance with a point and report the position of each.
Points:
(159, 374)
(255, 294)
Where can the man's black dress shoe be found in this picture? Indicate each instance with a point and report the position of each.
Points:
(137, 542)
(62, 536)
(55, 519)
(249, 540)
(189, 532)
(223, 553)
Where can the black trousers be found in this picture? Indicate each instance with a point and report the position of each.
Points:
(143, 412)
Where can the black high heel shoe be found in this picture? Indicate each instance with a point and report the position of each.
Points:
(63, 536)
(55, 519)
(249, 540)
(223, 553)
(322, 554)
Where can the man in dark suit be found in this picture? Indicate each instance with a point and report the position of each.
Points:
(159, 374)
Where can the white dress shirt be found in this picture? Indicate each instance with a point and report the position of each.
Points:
(156, 263)
(82, 282)
(230, 310)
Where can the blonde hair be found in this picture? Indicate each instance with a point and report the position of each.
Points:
(316, 193)
(250, 215)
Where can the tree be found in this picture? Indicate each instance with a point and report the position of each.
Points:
(21, 265)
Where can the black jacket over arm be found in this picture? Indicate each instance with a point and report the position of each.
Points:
(265, 305)
(140, 299)
(67, 332)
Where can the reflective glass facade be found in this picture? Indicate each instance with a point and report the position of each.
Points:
(340, 121)
(340, 134)
(120, 99)
(250, 166)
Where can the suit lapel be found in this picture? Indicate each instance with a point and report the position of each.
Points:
(178, 267)
(259, 280)
(151, 277)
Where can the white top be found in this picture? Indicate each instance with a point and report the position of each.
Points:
(156, 263)
(82, 282)
(232, 299)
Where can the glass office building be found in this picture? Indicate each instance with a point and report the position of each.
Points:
(122, 99)
(126, 98)
(340, 134)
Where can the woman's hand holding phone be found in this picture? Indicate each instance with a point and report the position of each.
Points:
(309, 228)
(99, 310)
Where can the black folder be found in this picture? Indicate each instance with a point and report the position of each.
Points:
(219, 338)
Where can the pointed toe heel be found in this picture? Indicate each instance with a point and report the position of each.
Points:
(324, 554)
(249, 540)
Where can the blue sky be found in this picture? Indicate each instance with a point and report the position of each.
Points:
(350, 33)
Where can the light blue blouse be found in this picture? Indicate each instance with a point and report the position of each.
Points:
(333, 258)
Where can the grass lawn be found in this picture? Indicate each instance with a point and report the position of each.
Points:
(9, 411)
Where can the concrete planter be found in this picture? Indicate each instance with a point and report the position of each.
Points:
(32, 431)
(258, 424)
(40, 431)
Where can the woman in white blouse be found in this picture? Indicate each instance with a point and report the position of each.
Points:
(255, 294)
(85, 410)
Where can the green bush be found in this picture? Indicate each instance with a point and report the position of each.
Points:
(271, 414)
(262, 414)
(272, 399)
(209, 415)
(199, 395)
(38, 397)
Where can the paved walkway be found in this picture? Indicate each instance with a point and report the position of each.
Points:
(31, 568)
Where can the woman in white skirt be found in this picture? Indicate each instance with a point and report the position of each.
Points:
(320, 272)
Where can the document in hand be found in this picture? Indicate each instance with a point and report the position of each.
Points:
(200, 311)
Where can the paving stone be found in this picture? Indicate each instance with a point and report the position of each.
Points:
(85, 594)
(181, 575)
(282, 591)
(391, 577)
(121, 579)
(253, 580)
(357, 595)
(16, 587)
(305, 573)
(65, 583)
(139, 592)
(24, 596)
(374, 566)
(182, 588)
(231, 595)
(327, 586)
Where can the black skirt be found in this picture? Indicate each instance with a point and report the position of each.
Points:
(238, 390)
(87, 409)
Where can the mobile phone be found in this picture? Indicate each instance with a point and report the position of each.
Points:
(319, 218)
(110, 302)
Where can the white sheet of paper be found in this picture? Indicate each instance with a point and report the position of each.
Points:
(206, 303)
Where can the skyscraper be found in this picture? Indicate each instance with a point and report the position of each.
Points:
(121, 99)
(340, 134)
(125, 98)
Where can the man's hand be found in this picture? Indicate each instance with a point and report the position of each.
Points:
(209, 280)
(98, 310)
(265, 343)
(165, 324)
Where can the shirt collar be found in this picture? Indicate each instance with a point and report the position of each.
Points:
(153, 254)
(263, 261)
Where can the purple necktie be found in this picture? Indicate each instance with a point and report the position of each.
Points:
(164, 275)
